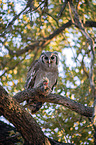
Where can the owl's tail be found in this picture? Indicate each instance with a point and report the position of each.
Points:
(34, 107)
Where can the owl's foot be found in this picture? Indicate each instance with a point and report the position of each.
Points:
(46, 88)
(45, 82)
(43, 87)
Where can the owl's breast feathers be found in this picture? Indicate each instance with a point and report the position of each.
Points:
(37, 72)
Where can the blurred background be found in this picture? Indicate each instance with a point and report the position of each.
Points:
(29, 27)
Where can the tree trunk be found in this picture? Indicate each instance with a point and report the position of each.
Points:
(21, 119)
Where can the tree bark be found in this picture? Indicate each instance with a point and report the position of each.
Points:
(8, 134)
(21, 119)
(54, 98)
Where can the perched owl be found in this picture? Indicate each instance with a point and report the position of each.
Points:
(45, 67)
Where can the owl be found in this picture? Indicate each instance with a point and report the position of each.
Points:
(45, 67)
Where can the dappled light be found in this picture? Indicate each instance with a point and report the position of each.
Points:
(68, 113)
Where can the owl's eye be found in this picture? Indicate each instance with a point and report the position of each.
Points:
(52, 57)
(46, 58)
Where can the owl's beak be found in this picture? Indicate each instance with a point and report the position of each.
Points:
(49, 63)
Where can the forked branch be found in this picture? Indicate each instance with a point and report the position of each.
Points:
(23, 121)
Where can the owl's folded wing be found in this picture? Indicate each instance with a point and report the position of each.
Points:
(31, 75)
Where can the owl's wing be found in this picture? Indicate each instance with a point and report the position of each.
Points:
(56, 79)
(31, 75)
(54, 84)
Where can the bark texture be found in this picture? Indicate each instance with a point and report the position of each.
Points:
(21, 119)
(54, 98)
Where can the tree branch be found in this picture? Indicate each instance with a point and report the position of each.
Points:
(90, 24)
(23, 121)
(46, 40)
(78, 23)
(41, 43)
(62, 9)
(5, 137)
(12, 67)
(11, 22)
(54, 98)
(7, 29)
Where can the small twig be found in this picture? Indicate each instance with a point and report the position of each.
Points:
(94, 114)
(56, 116)
(84, 69)
(10, 51)
(62, 9)
(34, 8)
(10, 23)
(30, 3)
(35, 55)
(13, 137)
(13, 67)
(17, 16)
(52, 18)
(70, 13)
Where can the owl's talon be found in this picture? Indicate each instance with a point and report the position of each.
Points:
(45, 83)
(44, 89)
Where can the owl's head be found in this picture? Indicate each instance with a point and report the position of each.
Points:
(49, 59)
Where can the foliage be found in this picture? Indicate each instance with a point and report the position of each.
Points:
(26, 30)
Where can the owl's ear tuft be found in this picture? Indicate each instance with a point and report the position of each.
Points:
(43, 51)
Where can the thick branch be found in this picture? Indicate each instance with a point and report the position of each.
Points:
(54, 98)
(90, 24)
(5, 137)
(59, 30)
(21, 119)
